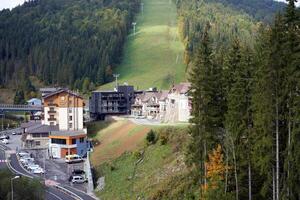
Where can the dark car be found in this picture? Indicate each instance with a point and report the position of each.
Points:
(77, 172)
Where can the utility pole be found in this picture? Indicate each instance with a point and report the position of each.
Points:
(133, 24)
(12, 186)
(116, 77)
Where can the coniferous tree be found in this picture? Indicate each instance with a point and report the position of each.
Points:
(207, 105)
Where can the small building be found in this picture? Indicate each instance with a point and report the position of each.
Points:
(62, 143)
(34, 102)
(35, 135)
(111, 102)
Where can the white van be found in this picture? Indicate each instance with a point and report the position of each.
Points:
(73, 158)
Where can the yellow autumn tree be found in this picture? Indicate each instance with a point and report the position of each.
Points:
(215, 171)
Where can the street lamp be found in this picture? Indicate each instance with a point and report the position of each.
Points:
(116, 77)
(12, 188)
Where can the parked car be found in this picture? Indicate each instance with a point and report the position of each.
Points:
(14, 133)
(23, 154)
(5, 141)
(26, 159)
(73, 158)
(27, 164)
(32, 167)
(78, 179)
(2, 137)
(38, 170)
(78, 172)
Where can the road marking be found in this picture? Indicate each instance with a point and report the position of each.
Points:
(51, 193)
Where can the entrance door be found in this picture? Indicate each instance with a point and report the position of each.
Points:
(55, 152)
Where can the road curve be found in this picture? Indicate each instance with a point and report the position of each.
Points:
(51, 193)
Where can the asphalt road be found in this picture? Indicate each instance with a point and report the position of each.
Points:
(51, 193)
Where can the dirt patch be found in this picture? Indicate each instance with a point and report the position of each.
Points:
(118, 140)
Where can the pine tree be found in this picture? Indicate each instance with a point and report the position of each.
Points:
(263, 114)
(207, 105)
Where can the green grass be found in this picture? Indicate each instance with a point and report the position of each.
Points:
(160, 165)
(154, 56)
(120, 183)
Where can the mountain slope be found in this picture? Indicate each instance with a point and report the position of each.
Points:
(63, 41)
(153, 57)
(262, 10)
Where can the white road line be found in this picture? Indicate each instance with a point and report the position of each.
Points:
(51, 193)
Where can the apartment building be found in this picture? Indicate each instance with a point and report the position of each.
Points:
(111, 102)
(63, 108)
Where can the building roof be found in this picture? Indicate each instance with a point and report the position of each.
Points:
(181, 88)
(49, 89)
(60, 91)
(41, 128)
(146, 96)
(31, 123)
(163, 95)
(69, 133)
(33, 99)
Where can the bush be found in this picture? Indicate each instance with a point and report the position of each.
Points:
(151, 137)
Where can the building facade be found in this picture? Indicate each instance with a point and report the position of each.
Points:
(166, 106)
(150, 104)
(63, 108)
(113, 102)
(179, 103)
(36, 135)
(62, 143)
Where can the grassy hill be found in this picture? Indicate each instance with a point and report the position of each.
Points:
(135, 170)
(154, 56)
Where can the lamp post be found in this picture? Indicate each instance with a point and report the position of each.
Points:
(116, 77)
(12, 186)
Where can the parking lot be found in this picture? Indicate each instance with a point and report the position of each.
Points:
(55, 169)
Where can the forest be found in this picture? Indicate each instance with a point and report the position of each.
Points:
(262, 10)
(63, 42)
(245, 132)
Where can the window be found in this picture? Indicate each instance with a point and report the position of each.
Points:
(51, 123)
(37, 143)
(62, 98)
(58, 141)
(73, 141)
(70, 118)
(81, 140)
(51, 109)
(70, 102)
(51, 116)
(70, 125)
(70, 110)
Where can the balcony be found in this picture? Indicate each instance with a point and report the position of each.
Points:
(51, 119)
(51, 111)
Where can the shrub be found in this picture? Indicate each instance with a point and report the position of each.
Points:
(151, 137)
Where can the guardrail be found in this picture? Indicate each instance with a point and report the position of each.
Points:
(8, 107)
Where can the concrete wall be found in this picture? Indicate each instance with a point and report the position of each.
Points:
(63, 119)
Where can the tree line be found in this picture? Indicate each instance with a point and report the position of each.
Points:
(245, 132)
(64, 42)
